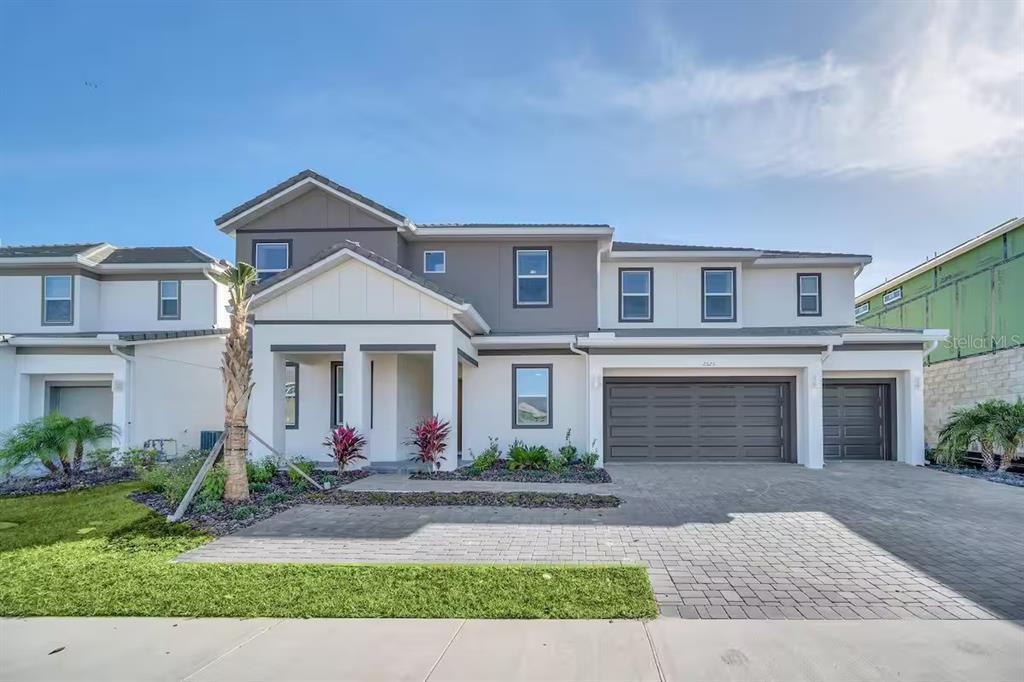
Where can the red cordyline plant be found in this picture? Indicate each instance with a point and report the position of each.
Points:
(345, 446)
(430, 438)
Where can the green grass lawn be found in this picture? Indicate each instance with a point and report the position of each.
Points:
(97, 553)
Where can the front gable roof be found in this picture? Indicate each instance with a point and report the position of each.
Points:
(300, 182)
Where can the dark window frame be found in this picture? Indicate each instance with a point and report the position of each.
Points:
(257, 242)
(551, 395)
(650, 296)
(515, 277)
(703, 296)
(799, 295)
(296, 366)
(42, 313)
(160, 299)
(335, 364)
(444, 264)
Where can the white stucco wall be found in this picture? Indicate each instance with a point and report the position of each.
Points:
(771, 300)
(132, 305)
(413, 402)
(21, 301)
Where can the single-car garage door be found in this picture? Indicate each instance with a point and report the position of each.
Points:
(671, 419)
(857, 418)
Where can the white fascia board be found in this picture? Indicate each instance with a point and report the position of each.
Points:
(701, 341)
(997, 231)
(524, 341)
(147, 267)
(824, 261)
(896, 337)
(48, 260)
(683, 255)
(57, 341)
(224, 227)
(476, 232)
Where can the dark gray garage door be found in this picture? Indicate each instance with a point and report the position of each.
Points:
(857, 420)
(683, 420)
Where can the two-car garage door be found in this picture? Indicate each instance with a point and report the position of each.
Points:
(738, 420)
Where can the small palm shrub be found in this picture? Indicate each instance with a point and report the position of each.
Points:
(1010, 429)
(430, 438)
(992, 424)
(486, 459)
(45, 439)
(262, 471)
(82, 432)
(345, 445)
(536, 457)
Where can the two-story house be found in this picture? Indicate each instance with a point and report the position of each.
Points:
(129, 336)
(648, 352)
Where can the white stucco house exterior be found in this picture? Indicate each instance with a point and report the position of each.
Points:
(658, 353)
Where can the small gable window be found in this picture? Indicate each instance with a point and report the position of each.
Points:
(892, 296)
(434, 262)
(862, 309)
(270, 258)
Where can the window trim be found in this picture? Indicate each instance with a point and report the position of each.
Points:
(255, 248)
(296, 366)
(800, 294)
(857, 312)
(704, 296)
(42, 313)
(335, 364)
(444, 262)
(160, 299)
(515, 277)
(551, 395)
(649, 294)
(898, 291)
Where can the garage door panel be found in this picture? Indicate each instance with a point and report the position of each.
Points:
(679, 420)
(856, 420)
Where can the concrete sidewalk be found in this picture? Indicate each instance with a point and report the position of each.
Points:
(666, 649)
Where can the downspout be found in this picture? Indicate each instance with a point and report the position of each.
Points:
(827, 354)
(934, 343)
(586, 390)
(129, 391)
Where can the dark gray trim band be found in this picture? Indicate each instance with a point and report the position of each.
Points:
(307, 348)
(466, 357)
(396, 347)
(881, 346)
(271, 230)
(371, 323)
(63, 350)
(712, 350)
(524, 351)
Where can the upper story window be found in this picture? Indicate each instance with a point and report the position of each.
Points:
(533, 277)
(271, 258)
(636, 295)
(531, 392)
(862, 309)
(718, 294)
(434, 262)
(808, 290)
(291, 395)
(892, 296)
(58, 299)
(169, 305)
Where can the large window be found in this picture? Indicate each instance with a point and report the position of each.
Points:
(533, 277)
(337, 393)
(291, 395)
(718, 291)
(434, 262)
(863, 309)
(169, 305)
(271, 258)
(58, 299)
(808, 290)
(636, 295)
(531, 393)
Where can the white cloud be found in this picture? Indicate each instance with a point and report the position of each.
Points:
(938, 88)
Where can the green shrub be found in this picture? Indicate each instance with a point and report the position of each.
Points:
(528, 457)
(275, 497)
(486, 459)
(213, 484)
(202, 506)
(568, 453)
(589, 460)
(246, 511)
(262, 471)
(139, 458)
(257, 487)
(100, 458)
(307, 467)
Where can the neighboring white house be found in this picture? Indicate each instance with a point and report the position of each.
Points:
(646, 352)
(129, 336)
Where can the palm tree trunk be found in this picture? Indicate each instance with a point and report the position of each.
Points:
(237, 372)
(236, 450)
(1006, 460)
(48, 463)
(79, 452)
(988, 457)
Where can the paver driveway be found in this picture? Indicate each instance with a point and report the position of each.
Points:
(857, 540)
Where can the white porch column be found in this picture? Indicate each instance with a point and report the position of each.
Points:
(445, 398)
(910, 444)
(121, 388)
(9, 399)
(357, 389)
(595, 409)
(266, 406)
(810, 440)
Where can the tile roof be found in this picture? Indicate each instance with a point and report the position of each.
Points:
(765, 253)
(158, 254)
(365, 253)
(45, 250)
(177, 334)
(762, 331)
(500, 225)
(299, 177)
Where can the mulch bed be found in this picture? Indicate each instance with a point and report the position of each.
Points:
(17, 487)
(499, 471)
(223, 518)
(1004, 477)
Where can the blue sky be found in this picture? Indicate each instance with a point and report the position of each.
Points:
(893, 129)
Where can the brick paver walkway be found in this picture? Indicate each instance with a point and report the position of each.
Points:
(865, 540)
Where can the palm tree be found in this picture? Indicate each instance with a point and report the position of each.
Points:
(44, 438)
(236, 367)
(85, 431)
(978, 424)
(1010, 429)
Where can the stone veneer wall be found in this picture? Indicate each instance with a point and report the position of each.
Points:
(962, 383)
